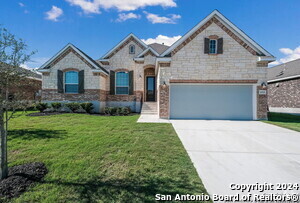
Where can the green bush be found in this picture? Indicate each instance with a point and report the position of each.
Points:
(56, 105)
(125, 111)
(41, 106)
(117, 111)
(73, 106)
(87, 106)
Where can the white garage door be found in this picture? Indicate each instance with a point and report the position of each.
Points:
(233, 102)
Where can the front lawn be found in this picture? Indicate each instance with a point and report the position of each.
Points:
(284, 120)
(101, 159)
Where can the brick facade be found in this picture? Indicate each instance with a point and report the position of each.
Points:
(136, 97)
(189, 64)
(284, 94)
(164, 101)
(262, 104)
(88, 95)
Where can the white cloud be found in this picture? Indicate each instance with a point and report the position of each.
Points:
(21, 4)
(162, 39)
(125, 16)
(154, 18)
(25, 66)
(94, 6)
(54, 13)
(35, 63)
(290, 55)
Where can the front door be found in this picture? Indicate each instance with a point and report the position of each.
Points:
(150, 88)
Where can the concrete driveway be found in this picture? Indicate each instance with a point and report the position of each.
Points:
(240, 152)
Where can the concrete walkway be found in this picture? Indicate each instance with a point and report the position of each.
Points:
(148, 118)
(240, 152)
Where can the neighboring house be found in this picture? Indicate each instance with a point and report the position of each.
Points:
(29, 88)
(284, 87)
(215, 71)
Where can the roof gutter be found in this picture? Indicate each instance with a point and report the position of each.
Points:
(267, 59)
(43, 70)
(286, 78)
(138, 59)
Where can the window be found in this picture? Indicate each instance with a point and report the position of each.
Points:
(122, 83)
(131, 49)
(212, 46)
(71, 82)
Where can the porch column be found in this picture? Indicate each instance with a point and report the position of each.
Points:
(164, 101)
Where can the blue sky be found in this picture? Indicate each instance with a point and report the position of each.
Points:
(95, 26)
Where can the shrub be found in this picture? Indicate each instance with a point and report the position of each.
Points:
(64, 109)
(110, 111)
(120, 111)
(125, 111)
(56, 105)
(73, 106)
(87, 106)
(41, 106)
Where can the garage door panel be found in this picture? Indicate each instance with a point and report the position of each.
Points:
(211, 101)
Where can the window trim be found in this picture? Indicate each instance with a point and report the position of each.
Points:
(71, 83)
(216, 44)
(130, 52)
(116, 78)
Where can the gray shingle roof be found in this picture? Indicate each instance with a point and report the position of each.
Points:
(159, 48)
(284, 70)
(92, 60)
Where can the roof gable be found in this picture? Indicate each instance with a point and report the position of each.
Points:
(217, 18)
(121, 44)
(149, 49)
(66, 50)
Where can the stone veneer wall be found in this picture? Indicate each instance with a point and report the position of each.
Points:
(284, 94)
(236, 62)
(123, 60)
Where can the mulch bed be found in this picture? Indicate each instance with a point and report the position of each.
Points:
(20, 178)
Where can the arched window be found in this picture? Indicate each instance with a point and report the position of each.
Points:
(71, 82)
(122, 83)
(131, 49)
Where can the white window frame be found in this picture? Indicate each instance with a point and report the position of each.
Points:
(130, 52)
(215, 48)
(116, 78)
(71, 83)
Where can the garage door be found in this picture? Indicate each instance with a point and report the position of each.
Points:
(211, 102)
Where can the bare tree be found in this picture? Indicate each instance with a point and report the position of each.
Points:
(13, 53)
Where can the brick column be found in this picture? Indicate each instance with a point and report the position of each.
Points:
(262, 104)
(164, 101)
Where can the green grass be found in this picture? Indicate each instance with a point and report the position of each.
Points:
(101, 159)
(284, 120)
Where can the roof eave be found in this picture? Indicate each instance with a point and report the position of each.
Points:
(61, 51)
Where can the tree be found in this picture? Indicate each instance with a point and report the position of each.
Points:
(13, 53)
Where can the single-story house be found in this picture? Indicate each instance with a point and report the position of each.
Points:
(284, 87)
(215, 71)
